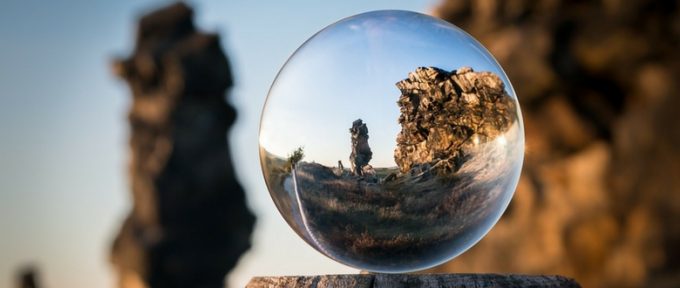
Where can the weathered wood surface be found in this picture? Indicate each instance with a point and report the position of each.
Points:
(413, 280)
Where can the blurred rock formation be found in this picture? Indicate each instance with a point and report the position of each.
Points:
(599, 198)
(28, 277)
(442, 111)
(189, 222)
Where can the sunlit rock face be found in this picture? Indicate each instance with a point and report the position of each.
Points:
(442, 113)
(598, 84)
(443, 157)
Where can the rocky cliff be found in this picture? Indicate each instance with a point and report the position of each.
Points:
(441, 112)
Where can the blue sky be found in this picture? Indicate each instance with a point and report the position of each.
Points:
(63, 131)
(349, 71)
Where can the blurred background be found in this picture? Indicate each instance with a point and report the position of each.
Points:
(597, 80)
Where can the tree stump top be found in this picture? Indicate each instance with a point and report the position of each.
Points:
(413, 280)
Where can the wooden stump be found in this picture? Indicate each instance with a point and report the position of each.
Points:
(412, 280)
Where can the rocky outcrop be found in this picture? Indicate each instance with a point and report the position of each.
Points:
(361, 152)
(189, 222)
(599, 196)
(442, 112)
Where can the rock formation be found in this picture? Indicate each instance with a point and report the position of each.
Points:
(361, 152)
(599, 197)
(189, 221)
(442, 111)
(28, 277)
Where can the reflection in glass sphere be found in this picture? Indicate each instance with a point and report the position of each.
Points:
(391, 141)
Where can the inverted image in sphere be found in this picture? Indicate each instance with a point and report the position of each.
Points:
(391, 141)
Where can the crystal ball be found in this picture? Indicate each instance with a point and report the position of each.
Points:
(391, 141)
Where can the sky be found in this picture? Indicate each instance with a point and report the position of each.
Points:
(63, 130)
(348, 72)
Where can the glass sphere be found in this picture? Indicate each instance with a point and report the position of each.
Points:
(444, 154)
